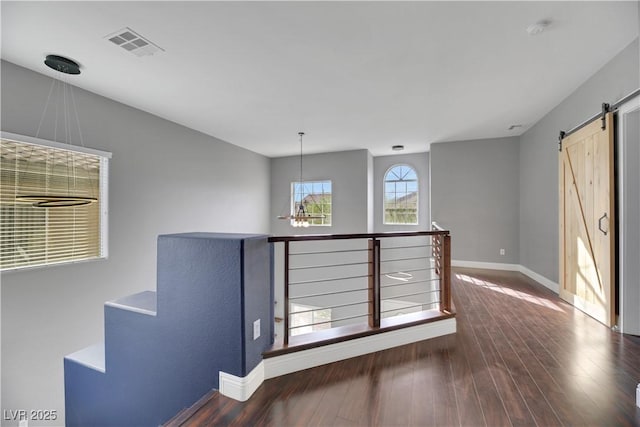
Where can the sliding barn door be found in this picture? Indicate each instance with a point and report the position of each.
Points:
(587, 228)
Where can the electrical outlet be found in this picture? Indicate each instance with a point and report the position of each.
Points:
(502, 251)
(638, 396)
(256, 329)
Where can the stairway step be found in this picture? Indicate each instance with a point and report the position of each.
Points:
(92, 357)
(144, 302)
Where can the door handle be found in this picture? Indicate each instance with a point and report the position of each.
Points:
(600, 224)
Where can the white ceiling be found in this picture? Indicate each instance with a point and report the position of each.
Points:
(350, 74)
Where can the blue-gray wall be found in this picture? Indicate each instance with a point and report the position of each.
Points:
(211, 288)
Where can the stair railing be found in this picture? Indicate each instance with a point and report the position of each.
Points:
(372, 280)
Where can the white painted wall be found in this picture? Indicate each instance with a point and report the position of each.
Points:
(164, 178)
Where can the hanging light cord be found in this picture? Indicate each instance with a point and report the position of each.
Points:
(300, 217)
(300, 211)
(301, 134)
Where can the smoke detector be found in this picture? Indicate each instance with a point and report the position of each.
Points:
(133, 42)
(538, 27)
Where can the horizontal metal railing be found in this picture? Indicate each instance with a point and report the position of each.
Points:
(343, 279)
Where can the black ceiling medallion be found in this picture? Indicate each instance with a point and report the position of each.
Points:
(62, 64)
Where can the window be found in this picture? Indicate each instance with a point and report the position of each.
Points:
(315, 198)
(401, 195)
(36, 236)
(306, 318)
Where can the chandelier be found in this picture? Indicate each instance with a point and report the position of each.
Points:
(300, 215)
(71, 197)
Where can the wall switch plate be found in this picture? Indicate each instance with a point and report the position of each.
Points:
(502, 251)
(256, 329)
(638, 396)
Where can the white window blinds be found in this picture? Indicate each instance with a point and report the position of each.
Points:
(34, 236)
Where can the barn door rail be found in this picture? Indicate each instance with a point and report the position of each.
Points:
(605, 108)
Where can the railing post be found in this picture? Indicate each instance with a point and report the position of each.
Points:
(374, 283)
(286, 293)
(445, 274)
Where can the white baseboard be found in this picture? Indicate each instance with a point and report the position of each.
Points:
(293, 362)
(241, 388)
(550, 284)
(540, 279)
(485, 265)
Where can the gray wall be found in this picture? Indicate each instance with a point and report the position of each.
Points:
(350, 179)
(370, 194)
(164, 178)
(418, 161)
(348, 172)
(539, 158)
(474, 194)
(357, 208)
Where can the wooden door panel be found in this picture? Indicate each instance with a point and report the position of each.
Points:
(586, 221)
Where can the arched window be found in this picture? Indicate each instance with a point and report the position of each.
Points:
(401, 195)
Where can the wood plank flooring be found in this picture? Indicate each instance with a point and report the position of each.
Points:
(521, 357)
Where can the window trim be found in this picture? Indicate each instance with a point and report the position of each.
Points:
(54, 144)
(384, 196)
(105, 156)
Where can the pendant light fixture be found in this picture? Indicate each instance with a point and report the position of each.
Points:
(300, 216)
(71, 197)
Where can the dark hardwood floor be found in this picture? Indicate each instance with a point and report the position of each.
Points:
(521, 357)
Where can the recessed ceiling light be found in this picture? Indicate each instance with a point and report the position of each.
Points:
(397, 147)
(538, 27)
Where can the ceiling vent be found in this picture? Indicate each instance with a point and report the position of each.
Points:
(133, 42)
